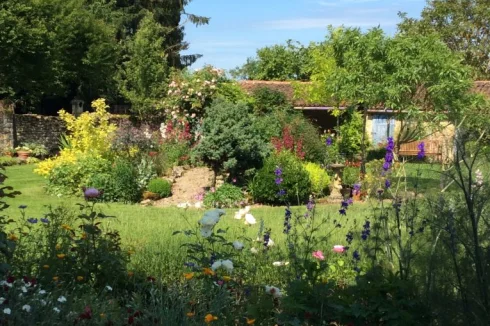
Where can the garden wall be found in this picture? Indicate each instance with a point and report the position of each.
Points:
(16, 129)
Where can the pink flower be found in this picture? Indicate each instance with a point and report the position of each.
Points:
(338, 248)
(318, 255)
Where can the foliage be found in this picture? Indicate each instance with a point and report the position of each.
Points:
(266, 100)
(295, 178)
(350, 131)
(229, 142)
(8, 161)
(37, 149)
(161, 187)
(278, 62)
(460, 25)
(319, 178)
(350, 176)
(171, 154)
(232, 91)
(143, 77)
(225, 196)
(88, 135)
(288, 144)
(129, 140)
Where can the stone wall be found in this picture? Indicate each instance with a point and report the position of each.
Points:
(6, 126)
(40, 129)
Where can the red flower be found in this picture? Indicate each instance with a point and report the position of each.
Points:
(10, 279)
(130, 320)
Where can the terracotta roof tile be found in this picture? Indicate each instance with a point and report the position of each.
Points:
(286, 87)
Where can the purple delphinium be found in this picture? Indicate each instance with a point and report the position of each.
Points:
(22, 206)
(281, 192)
(387, 183)
(390, 147)
(349, 237)
(278, 171)
(342, 211)
(366, 232)
(357, 188)
(329, 141)
(45, 220)
(279, 181)
(32, 220)
(421, 153)
(287, 221)
(356, 255)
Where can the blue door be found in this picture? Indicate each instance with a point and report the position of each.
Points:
(383, 127)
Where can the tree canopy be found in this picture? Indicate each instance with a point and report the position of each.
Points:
(462, 24)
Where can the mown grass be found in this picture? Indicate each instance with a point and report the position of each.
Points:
(148, 230)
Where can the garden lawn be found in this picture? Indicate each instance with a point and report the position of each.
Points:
(148, 230)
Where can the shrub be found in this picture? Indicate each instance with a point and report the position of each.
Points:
(265, 100)
(8, 161)
(32, 160)
(171, 154)
(230, 142)
(296, 181)
(350, 175)
(227, 195)
(319, 178)
(351, 135)
(161, 187)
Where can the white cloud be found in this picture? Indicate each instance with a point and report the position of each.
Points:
(316, 23)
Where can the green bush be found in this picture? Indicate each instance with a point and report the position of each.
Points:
(350, 175)
(161, 187)
(171, 154)
(266, 100)
(32, 160)
(296, 181)
(68, 178)
(227, 195)
(8, 161)
(319, 178)
(351, 135)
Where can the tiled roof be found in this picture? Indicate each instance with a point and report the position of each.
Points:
(287, 89)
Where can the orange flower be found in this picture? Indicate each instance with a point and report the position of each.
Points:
(55, 278)
(61, 256)
(13, 237)
(188, 276)
(190, 314)
(250, 321)
(46, 266)
(210, 318)
(66, 227)
(79, 278)
(226, 278)
(58, 247)
(208, 271)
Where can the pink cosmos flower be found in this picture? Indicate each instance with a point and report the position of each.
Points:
(338, 249)
(318, 255)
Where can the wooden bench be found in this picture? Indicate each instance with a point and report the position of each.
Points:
(432, 148)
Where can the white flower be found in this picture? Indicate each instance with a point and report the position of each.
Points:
(55, 309)
(272, 290)
(254, 250)
(226, 264)
(238, 245)
(280, 263)
(2, 300)
(246, 209)
(249, 219)
(24, 289)
(7, 311)
(43, 302)
(42, 292)
(198, 204)
(239, 215)
(270, 243)
(26, 307)
(62, 299)
(108, 288)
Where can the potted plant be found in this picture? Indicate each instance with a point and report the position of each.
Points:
(23, 152)
(37, 149)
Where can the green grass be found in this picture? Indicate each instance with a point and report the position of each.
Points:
(148, 230)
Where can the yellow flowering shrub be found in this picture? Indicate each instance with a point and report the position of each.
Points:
(319, 178)
(88, 134)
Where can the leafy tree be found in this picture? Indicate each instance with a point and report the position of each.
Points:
(277, 62)
(143, 78)
(229, 141)
(461, 24)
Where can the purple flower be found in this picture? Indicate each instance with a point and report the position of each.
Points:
(349, 237)
(350, 201)
(344, 204)
(421, 153)
(356, 255)
(342, 211)
(287, 221)
(329, 141)
(23, 206)
(391, 144)
(281, 193)
(45, 220)
(32, 220)
(357, 188)
(279, 181)
(310, 205)
(366, 232)
(267, 237)
(389, 157)
(386, 166)
(278, 171)
(387, 183)
(91, 193)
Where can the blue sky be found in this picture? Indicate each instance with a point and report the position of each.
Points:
(239, 27)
